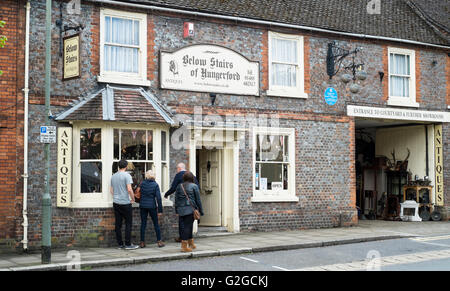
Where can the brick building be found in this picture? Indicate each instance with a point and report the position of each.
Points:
(238, 90)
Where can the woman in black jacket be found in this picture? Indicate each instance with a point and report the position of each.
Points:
(187, 198)
(150, 203)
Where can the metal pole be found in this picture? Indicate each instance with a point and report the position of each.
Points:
(46, 199)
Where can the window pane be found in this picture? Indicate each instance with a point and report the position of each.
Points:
(271, 172)
(284, 75)
(399, 86)
(271, 148)
(285, 177)
(90, 144)
(122, 31)
(150, 144)
(257, 175)
(107, 29)
(136, 32)
(286, 148)
(399, 64)
(163, 146)
(116, 144)
(133, 144)
(91, 177)
(164, 177)
(121, 59)
(284, 51)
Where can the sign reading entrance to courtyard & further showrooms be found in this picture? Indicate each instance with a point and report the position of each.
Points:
(397, 114)
(209, 68)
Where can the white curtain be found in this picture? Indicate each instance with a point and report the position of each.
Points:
(284, 62)
(400, 75)
(121, 37)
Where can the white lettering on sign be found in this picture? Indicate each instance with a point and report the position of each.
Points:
(64, 167)
(48, 134)
(398, 114)
(209, 68)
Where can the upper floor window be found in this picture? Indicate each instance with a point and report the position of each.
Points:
(123, 47)
(286, 65)
(402, 79)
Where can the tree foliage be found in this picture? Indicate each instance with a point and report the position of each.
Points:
(3, 39)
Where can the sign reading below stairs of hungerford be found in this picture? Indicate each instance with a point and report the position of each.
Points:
(71, 57)
(209, 68)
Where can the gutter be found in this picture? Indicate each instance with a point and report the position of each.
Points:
(267, 23)
(25, 131)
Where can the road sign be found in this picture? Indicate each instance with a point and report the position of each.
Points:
(48, 134)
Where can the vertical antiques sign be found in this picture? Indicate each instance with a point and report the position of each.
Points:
(71, 57)
(64, 167)
(439, 164)
(209, 68)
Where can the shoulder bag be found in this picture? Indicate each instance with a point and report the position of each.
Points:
(196, 212)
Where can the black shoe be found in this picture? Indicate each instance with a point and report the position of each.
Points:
(121, 247)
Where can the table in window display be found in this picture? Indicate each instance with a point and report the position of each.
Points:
(90, 160)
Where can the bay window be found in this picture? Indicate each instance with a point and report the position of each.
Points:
(98, 147)
(274, 165)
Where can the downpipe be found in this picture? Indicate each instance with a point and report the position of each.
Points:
(25, 132)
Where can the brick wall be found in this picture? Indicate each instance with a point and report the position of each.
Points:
(11, 118)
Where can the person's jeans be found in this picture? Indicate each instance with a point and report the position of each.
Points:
(123, 212)
(154, 215)
(188, 224)
(180, 225)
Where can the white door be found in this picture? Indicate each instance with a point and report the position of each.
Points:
(210, 187)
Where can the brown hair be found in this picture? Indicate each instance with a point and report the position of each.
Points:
(188, 177)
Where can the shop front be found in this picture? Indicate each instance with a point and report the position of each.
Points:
(399, 163)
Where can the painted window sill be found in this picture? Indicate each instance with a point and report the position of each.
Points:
(123, 81)
(274, 198)
(281, 93)
(403, 103)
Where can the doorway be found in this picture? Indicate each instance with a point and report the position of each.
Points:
(209, 174)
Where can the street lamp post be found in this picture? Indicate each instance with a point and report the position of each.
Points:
(46, 199)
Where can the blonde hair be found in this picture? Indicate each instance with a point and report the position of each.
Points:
(150, 175)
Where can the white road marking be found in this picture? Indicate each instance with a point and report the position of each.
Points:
(247, 259)
(384, 261)
(430, 238)
(279, 268)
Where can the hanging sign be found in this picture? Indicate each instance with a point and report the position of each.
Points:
(71, 56)
(64, 167)
(209, 68)
(439, 165)
(331, 96)
(47, 134)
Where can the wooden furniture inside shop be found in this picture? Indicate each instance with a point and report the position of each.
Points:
(421, 194)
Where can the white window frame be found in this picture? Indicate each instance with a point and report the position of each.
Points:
(403, 101)
(139, 79)
(288, 195)
(104, 199)
(281, 91)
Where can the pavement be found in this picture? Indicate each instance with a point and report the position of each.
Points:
(225, 244)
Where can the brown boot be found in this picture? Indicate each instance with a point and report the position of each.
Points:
(184, 246)
(191, 244)
(177, 239)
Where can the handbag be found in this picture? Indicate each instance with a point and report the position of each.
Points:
(196, 212)
(137, 194)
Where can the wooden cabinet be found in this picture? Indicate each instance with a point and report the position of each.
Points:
(419, 194)
(395, 182)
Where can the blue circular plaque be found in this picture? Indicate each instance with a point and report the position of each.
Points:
(331, 96)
